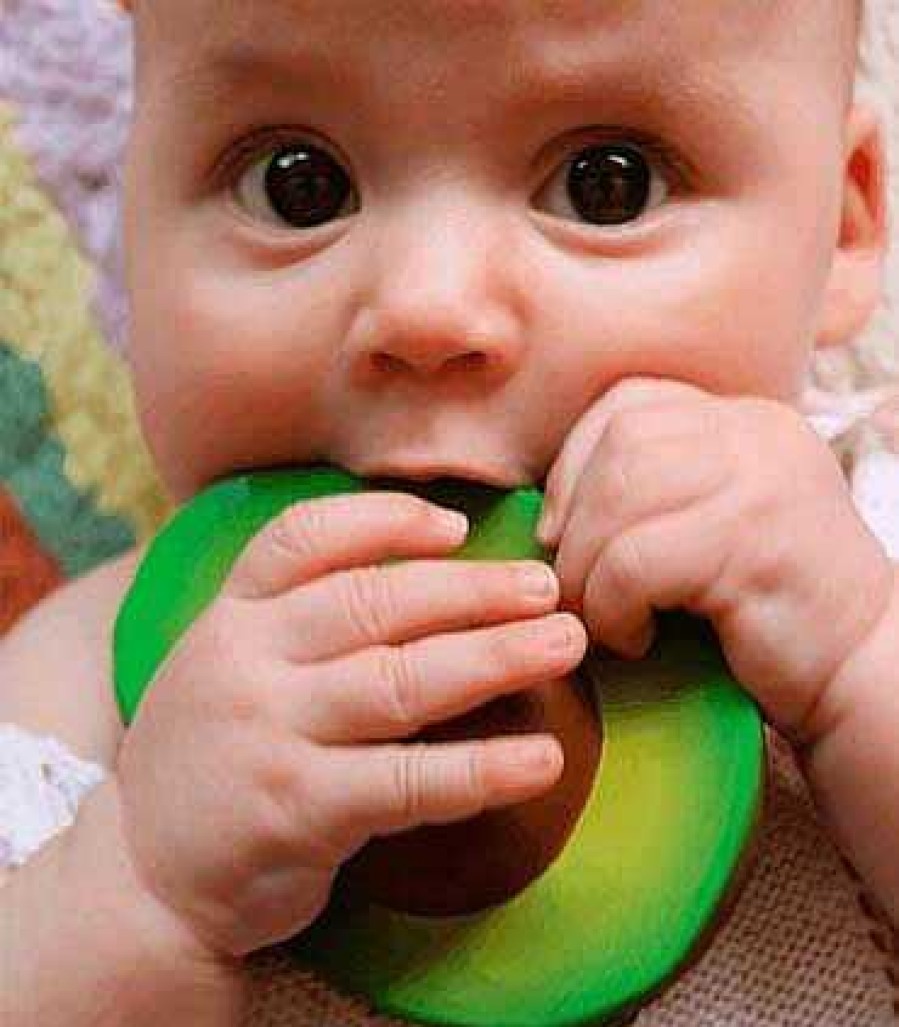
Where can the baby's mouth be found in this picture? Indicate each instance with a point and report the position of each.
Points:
(488, 477)
(479, 477)
(424, 470)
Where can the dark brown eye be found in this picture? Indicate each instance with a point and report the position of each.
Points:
(608, 184)
(299, 185)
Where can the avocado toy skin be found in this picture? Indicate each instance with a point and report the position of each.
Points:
(645, 872)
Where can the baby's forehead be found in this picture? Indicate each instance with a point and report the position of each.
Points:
(726, 23)
(233, 38)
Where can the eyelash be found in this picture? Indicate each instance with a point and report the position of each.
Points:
(236, 161)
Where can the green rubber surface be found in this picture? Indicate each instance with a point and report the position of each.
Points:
(673, 806)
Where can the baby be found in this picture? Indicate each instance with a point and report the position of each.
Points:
(589, 246)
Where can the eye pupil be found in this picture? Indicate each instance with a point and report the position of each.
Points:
(305, 186)
(610, 185)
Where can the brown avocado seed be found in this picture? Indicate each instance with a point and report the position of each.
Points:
(468, 865)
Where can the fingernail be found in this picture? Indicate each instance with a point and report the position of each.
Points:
(455, 522)
(539, 755)
(539, 581)
(546, 527)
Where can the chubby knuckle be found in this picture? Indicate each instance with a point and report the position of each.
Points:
(765, 420)
(504, 650)
(758, 499)
(275, 776)
(292, 817)
(623, 432)
(217, 634)
(409, 781)
(240, 702)
(616, 490)
(277, 781)
(763, 566)
(472, 786)
(623, 562)
(400, 683)
(296, 531)
(782, 414)
(367, 600)
(221, 652)
(711, 420)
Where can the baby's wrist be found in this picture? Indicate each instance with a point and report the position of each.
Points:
(852, 767)
(167, 946)
(865, 681)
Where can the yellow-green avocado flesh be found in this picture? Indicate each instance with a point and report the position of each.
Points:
(672, 809)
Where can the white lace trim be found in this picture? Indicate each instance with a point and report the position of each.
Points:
(42, 784)
(875, 488)
(865, 427)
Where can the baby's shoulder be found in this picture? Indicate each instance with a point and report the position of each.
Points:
(56, 666)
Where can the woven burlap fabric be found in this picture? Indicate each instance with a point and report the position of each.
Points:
(801, 948)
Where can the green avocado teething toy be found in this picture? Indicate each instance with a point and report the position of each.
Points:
(654, 857)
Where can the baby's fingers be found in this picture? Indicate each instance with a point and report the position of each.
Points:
(672, 561)
(383, 789)
(332, 533)
(389, 692)
(345, 612)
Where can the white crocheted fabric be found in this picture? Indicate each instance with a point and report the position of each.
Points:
(42, 784)
(864, 428)
(875, 485)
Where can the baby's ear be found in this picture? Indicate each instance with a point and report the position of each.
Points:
(855, 285)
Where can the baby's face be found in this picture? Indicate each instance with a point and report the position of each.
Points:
(423, 236)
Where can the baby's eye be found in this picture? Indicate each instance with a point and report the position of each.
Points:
(605, 184)
(298, 185)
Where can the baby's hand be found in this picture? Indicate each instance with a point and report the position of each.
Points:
(264, 753)
(733, 508)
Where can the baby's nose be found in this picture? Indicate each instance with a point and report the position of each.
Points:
(399, 342)
(441, 304)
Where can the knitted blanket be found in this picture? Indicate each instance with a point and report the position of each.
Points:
(77, 485)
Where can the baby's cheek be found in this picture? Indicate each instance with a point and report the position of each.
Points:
(740, 321)
(228, 375)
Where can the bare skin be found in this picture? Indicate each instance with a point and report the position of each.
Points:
(273, 874)
(459, 316)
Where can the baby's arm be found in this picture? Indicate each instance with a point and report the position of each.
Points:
(56, 666)
(81, 942)
(853, 766)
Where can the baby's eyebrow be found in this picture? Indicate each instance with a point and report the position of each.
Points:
(587, 60)
(225, 69)
(244, 61)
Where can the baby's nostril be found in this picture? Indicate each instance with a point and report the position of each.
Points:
(460, 361)
(469, 361)
(386, 362)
